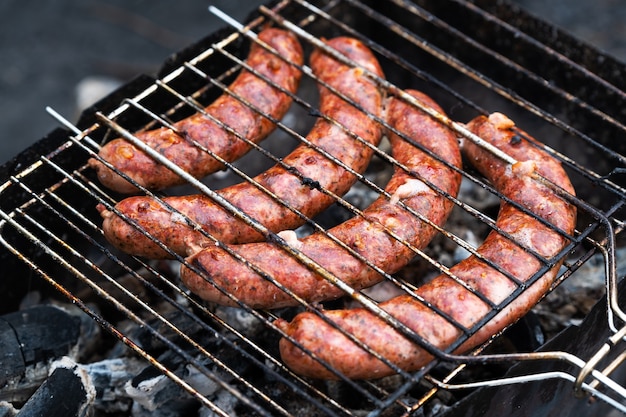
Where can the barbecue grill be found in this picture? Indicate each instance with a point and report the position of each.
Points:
(472, 58)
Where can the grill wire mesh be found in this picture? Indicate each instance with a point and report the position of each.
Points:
(472, 60)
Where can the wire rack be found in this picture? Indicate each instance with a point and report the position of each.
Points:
(49, 222)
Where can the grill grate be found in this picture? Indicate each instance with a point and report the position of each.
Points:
(473, 59)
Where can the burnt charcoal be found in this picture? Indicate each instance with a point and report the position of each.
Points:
(31, 339)
(11, 361)
(156, 395)
(43, 332)
(64, 394)
(145, 337)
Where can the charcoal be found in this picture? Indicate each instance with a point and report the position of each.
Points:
(30, 340)
(65, 393)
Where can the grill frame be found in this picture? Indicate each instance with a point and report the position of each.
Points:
(57, 148)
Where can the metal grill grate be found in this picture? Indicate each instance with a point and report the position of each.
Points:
(472, 59)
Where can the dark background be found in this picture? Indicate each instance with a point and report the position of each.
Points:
(48, 47)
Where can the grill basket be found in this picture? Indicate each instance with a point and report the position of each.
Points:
(472, 58)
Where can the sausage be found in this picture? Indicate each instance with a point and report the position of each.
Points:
(333, 135)
(176, 146)
(365, 234)
(443, 292)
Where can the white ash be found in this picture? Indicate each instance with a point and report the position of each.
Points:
(476, 196)
(202, 383)
(18, 390)
(145, 393)
(574, 298)
(110, 377)
(223, 400)
(7, 409)
(160, 396)
(380, 292)
(360, 195)
(464, 224)
(241, 320)
(460, 252)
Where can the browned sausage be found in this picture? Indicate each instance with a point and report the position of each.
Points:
(443, 292)
(333, 136)
(366, 235)
(227, 109)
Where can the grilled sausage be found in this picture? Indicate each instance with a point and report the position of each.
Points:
(227, 109)
(334, 136)
(443, 292)
(366, 234)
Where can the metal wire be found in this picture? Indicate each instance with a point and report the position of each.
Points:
(30, 218)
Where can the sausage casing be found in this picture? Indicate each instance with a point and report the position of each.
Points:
(251, 124)
(364, 234)
(334, 135)
(463, 306)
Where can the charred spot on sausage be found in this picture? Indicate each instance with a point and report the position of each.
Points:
(515, 140)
